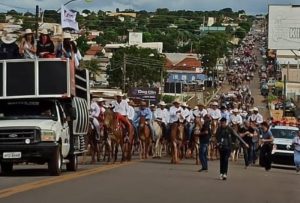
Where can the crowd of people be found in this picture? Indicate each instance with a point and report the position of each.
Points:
(27, 47)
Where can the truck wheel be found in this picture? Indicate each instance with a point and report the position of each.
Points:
(55, 163)
(6, 168)
(73, 164)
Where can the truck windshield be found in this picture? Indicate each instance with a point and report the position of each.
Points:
(284, 133)
(10, 110)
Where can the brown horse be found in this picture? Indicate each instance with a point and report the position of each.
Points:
(117, 137)
(145, 138)
(196, 138)
(212, 148)
(235, 143)
(177, 140)
(91, 140)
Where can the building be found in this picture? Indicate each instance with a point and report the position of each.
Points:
(113, 14)
(211, 21)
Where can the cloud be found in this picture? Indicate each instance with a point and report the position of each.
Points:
(250, 6)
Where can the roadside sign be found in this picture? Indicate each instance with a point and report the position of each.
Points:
(144, 93)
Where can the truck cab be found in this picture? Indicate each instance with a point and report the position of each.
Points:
(43, 113)
(283, 152)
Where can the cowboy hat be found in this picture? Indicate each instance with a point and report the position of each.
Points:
(100, 100)
(127, 100)
(255, 109)
(184, 104)
(162, 103)
(215, 104)
(119, 95)
(196, 108)
(44, 32)
(28, 31)
(8, 39)
(176, 101)
(152, 105)
(235, 110)
(67, 35)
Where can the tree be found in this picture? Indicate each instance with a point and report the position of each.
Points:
(143, 66)
(91, 65)
(2, 18)
(82, 44)
(86, 11)
(240, 33)
(28, 23)
(117, 10)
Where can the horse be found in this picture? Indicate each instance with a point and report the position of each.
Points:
(177, 139)
(117, 137)
(157, 149)
(196, 138)
(212, 147)
(145, 138)
(235, 143)
(93, 142)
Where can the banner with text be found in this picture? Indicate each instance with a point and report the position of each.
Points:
(68, 18)
(150, 94)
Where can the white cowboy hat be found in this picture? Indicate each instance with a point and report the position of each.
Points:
(196, 108)
(44, 32)
(215, 104)
(119, 95)
(67, 35)
(8, 39)
(100, 100)
(152, 105)
(127, 100)
(255, 109)
(176, 101)
(235, 110)
(28, 31)
(162, 103)
(184, 104)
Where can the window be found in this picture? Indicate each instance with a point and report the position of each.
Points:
(193, 78)
(183, 77)
(175, 77)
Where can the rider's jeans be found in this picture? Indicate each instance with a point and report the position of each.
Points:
(224, 156)
(203, 151)
(97, 125)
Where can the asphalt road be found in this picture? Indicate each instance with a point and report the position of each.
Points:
(159, 181)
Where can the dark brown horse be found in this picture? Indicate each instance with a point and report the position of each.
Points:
(177, 141)
(145, 138)
(212, 147)
(117, 137)
(91, 140)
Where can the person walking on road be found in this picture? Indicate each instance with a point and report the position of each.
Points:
(266, 144)
(205, 135)
(296, 143)
(224, 139)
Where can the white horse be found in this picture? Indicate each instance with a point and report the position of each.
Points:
(157, 149)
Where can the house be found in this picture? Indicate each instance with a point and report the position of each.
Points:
(113, 14)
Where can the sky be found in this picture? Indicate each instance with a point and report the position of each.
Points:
(250, 6)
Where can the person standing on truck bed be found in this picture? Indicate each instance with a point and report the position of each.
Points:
(8, 47)
(121, 107)
(296, 144)
(28, 45)
(45, 46)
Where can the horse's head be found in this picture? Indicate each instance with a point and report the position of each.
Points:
(142, 121)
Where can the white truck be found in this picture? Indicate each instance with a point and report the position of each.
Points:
(43, 113)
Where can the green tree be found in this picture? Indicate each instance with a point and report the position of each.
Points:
(143, 66)
(91, 65)
(82, 44)
(2, 18)
(240, 33)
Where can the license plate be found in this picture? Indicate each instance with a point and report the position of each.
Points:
(12, 155)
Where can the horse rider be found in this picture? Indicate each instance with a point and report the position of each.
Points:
(187, 117)
(214, 112)
(121, 107)
(225, 113)
(193, 114)
(256, 117)
(162, 114)
(101, 104)
(236, 118)
(95, 113)
(147, 114)
(131, 115)
(176, 112)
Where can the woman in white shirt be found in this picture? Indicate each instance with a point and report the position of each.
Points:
(296, 143)
(28, 46)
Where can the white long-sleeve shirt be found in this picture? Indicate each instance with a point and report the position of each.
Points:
(186, 115)
(200, 113)
(131, 113)
(215, 114)
(236, 119)
(174, 116)
(95, 109)
(163, 114)
(121, 108)
(258, 118)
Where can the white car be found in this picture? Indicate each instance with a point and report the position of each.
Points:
(283, 152)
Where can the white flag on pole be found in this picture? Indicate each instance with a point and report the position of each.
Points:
(68, 18)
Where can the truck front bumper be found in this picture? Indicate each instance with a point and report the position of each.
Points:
(36, 153)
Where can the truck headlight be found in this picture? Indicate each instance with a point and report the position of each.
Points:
(48, 136)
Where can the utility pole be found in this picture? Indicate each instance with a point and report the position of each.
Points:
(284, 94)
(124, 73)
(36, 21)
